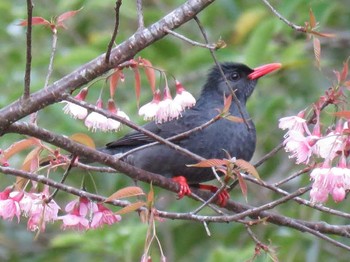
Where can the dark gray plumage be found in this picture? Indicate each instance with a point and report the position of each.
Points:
(211, 142)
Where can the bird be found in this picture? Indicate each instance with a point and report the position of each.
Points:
(238, 139)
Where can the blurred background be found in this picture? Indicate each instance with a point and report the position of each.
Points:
(253, 36)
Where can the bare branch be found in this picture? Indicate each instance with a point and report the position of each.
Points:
(235, 99)
(176, 137)
(118, 3)
(52, 56)
(135, 127)
(140, 20)
(26, 92)
(294, 26)
(194, 43)
(97, 67)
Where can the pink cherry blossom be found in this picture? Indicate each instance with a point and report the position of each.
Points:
(168, 109)
(319, 191)
(38, 211)
(102, 215)
(9, 204)
(74, 220)
(74, 110)
(77, 211)
(328, 146)
(299, 146)
(149, 110)
(296, 123)
(334, 181)
(114, 125)
(95, 120)
(183, 97)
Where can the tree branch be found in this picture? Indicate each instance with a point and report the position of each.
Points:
(97, 67)
(118, 3)
(26, 92)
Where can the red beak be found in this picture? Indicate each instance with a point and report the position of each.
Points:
(263, 70)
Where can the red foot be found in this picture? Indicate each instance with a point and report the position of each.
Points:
(184, 187)
(222, 197)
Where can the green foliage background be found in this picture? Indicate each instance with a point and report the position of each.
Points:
(253, 36)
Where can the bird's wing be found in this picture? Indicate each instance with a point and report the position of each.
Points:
(168, 129)
(136, 138)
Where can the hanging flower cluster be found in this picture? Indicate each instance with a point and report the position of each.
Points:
(328, 149)
(161, 108)
(168, 108)
(95, 121)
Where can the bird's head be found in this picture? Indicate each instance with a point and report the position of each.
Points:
(240, 77)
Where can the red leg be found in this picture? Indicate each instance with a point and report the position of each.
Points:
(184, 187)
(222, 197)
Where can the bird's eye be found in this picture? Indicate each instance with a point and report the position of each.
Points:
(235, 76)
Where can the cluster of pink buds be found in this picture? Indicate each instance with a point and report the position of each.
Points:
(168, 108)
(95, 121)
(329, 149)
(83, 214)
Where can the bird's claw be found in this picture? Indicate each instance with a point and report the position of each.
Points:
(184, 187)
(221, 198)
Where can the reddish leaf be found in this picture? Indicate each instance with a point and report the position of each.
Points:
(317, 51)
(150, 73)
(36, 20)
(125, 192)
(31, 162)
(242, 185)
(20, 146)
(150, 197)
(321, 34)
(227, 104)
(137, 84)
(247, 167)
(210, 163)
(312, 20)
(234, 119)
(337, 75)
(130, 208)
(61, 18)
(113, 81)
(83, 139)
(344, 72)
(345, 114)
(347, 84)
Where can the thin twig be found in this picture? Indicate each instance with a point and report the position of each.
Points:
(176, 137)
(53, 52)
(133, 126)
(210, 200)
(235, 99)
(269, 155)
(26, 92)
(118, 3)
(297, 199)
(294, 26)
(141, 23)
(194, 43)
(64, 177)
(292, 176)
